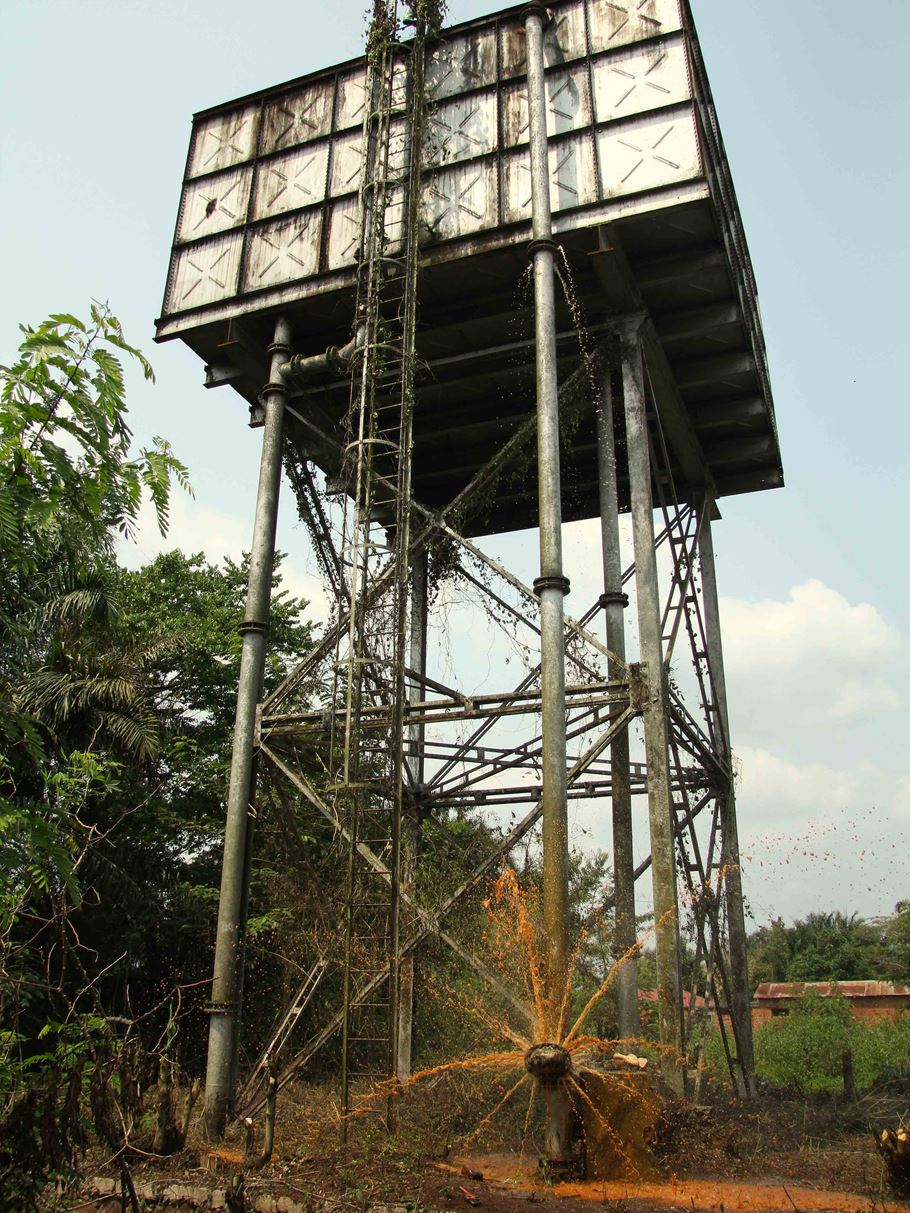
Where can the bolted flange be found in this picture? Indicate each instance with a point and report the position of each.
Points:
(548, 1062)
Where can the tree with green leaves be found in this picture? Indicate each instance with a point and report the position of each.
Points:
(829, 946)
(69, 485)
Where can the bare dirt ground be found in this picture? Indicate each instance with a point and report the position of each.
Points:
(770, 1155)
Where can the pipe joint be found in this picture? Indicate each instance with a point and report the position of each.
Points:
(254, 626)
(340, 357)
(541, 245)
(536, 9)
(553, 582)
(273, 386)
(613, 598)
(278, 347)
(337, 358)
(222, 1008)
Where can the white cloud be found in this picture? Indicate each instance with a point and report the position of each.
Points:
(902, 800)
(792, 793)
(816, 836)
(814, 621)
(854, 698)
(811, 658)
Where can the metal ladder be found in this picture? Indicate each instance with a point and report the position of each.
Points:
(369, 753)
(280, 1038)
(698, 861)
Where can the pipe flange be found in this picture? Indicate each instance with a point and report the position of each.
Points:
(255, 626)
(278, 347)
(222, 1008)
(272, 386)
(536, 9)
(337, 362)
(551, 583)
(613, 598)
(543, 243)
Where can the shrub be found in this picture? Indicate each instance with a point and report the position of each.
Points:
(803, 1053)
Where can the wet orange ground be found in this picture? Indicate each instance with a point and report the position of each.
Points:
(518, 1174)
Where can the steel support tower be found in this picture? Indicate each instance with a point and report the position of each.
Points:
(437, 418)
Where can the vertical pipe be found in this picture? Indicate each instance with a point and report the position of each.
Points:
(663, 871)
(614, 601)
(730, 859)
(417, 660)
(225, 1010)
(551, 586)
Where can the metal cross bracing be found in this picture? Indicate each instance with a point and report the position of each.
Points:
(701, 758)
(478, 771)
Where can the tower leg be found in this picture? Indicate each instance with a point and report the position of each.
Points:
(614, 600)
(226, 983)
(740, 999)
(663, 870)
(551, 585)
(411, 827)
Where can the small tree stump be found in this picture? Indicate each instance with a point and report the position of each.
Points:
(894, 1147)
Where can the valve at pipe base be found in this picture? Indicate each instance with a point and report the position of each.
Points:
(548, 1062)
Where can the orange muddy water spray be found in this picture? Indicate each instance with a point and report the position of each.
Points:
(614, 1111)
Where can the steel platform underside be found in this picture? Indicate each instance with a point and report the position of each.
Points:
(475, 338)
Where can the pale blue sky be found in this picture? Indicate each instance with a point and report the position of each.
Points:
(812, 100)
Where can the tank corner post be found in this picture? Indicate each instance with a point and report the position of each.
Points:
(227, 980)
(551, 587)
(655, 713)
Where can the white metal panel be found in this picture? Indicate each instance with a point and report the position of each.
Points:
(224, 140)
(283, 251)
(641, 79)
(573, 181)
(352, 91)
(298, 117)
(464, 62)
(563, 40)
(461, 200)
(352, 96)
(394, 222)
(567, 105)
(315, 127)
(344, 233)
(287, 182)
(206, 272)
(618, 22)
(461, 129)
(346, 160)
(214, 204)
(647, 153)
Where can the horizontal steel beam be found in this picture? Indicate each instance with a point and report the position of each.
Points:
(439, 711)
(651, 272)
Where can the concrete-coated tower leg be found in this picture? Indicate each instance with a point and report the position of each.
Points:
(663, 870)
(417, 659)
(225, 1009)
(613, 602)
(730, 858)
(551, 587)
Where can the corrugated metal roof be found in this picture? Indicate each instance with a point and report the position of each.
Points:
(769, 990)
